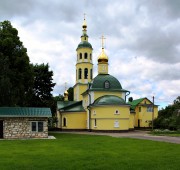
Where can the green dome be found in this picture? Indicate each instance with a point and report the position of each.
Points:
(109, 100)
(105, 82)
(84, 44)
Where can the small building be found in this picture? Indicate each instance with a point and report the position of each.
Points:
(145, 111)
(24, 122)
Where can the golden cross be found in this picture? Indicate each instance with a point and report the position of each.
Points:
(84, 16)
(65, 84)
(102, 38)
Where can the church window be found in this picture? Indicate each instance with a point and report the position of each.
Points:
(94, 112)
(80, 73)
(64, 122)
(80, 56)
(91, 74)
(117, 112)
(95, 123)
(90, 56)
(149, 109)
(85, 73)
(139, 109)
(116, 123)
(107, 85)
(85, 55)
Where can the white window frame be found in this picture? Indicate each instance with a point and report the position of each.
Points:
(95, 123)
(37, 128)
(94, 112)
(116, 112)
(116, 124)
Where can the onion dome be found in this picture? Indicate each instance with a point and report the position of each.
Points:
(66, 93)
(103, 57)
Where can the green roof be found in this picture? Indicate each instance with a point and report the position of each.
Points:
(109, 100)
(24, 112)
(71, 106)
(134, 103)
(84, 44)
(62, 104)
(98, 83)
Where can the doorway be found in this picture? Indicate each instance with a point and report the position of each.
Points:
(1, 128)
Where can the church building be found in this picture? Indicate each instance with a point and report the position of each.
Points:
(99, 102)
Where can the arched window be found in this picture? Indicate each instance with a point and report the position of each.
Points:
(85, 56)
(91, 74)
(80, 56)
(80, 73)
(85, 73)
(90, 56)
(64, 121)
(106, 85)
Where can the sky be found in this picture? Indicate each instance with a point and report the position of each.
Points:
(142, 40)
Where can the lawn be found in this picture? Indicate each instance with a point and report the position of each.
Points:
(76, 152)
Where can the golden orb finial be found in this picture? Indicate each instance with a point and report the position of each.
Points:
(84, 25)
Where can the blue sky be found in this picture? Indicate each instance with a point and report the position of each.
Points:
(142, 40)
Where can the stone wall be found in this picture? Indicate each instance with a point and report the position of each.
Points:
(21, 128)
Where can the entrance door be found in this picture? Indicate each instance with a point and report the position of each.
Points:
(138, 122)
(1, 129)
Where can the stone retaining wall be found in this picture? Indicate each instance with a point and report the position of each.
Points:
(15, 128)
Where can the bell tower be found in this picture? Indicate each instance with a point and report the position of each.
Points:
(84, 65)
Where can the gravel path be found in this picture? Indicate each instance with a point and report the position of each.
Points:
(137, 134)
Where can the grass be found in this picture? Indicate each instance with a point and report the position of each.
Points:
(76, 152)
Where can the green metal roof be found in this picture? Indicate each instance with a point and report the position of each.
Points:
(62, 104)
(134, 103)
(109, 100)
(24, 112)
(98, 83)
(72, 106)
(84, 44)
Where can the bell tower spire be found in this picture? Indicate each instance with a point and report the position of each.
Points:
(103, 60)
(84, 65)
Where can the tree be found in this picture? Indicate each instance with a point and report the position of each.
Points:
(169, 118)
(43, 86)
(16, 75)
(70, 94)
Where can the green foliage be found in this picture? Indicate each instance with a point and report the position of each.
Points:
(43, 86)
(21, 83)
(71, 94)
(16, 75)
(85, 152)
(169, 118)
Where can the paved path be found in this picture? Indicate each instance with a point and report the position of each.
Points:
(137, 134)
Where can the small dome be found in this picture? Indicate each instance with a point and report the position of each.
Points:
(109, 100)
(66, 93)
(105, 82)
(84, 44)
(103, 57)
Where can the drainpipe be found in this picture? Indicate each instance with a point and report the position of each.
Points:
(88, 107)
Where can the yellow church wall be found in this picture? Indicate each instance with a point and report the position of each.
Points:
(110, 118)
(74, 120)
(78, 90)
(131, 120)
